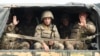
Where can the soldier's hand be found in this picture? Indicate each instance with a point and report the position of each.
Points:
(15, 21)
(82, 20)
(46, 48)
(82, 24)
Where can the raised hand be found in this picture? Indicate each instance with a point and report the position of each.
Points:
(15, 21)
(82, 18)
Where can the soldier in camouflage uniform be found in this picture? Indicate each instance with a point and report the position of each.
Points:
(47, 30)
(65, 29)
(82, 29)
(9, 43)
(27, 26)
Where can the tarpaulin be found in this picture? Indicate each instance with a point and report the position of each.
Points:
(4, 14)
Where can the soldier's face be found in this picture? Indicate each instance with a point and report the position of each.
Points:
(65, 22)
(47, 21)
(29, 16)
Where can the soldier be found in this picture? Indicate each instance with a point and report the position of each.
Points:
(82, 29)
(47, 30)
(27, 26)
(9, 43)
(65, 29)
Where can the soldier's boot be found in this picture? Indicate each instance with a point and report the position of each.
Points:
(24, 45)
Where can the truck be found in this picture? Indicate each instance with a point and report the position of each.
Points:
(21, 11)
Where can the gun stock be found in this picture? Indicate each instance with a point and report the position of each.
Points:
(12, 35)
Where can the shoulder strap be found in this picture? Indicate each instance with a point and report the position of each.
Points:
(41, 29)
(52, 32)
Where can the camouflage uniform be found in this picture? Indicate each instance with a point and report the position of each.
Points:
(51, 32)
(79, 32)
(65, 32)
(28, 30)
(9, 43)
(43, 31)
(65, 28)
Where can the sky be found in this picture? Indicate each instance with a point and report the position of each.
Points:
(48, 1)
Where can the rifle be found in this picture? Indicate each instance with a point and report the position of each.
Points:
(52, 31)
(90, 37)
(12, 35)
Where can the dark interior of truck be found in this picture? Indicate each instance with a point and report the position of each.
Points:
(35, 13)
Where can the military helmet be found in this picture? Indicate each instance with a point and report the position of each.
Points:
(47, 14)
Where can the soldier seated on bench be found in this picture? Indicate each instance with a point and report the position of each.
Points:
(47, 30)
(82, 29)
(65, 29)
(12, 28)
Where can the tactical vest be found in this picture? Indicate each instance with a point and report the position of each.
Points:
(46, 31)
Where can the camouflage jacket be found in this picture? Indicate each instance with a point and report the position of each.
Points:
(43, 31)
(10, 28)
(82, 32)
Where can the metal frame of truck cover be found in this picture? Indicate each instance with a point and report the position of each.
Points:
(50, 53)
(5, 11)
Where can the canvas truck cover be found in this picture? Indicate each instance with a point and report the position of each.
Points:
(5, 11)
(4, 15)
